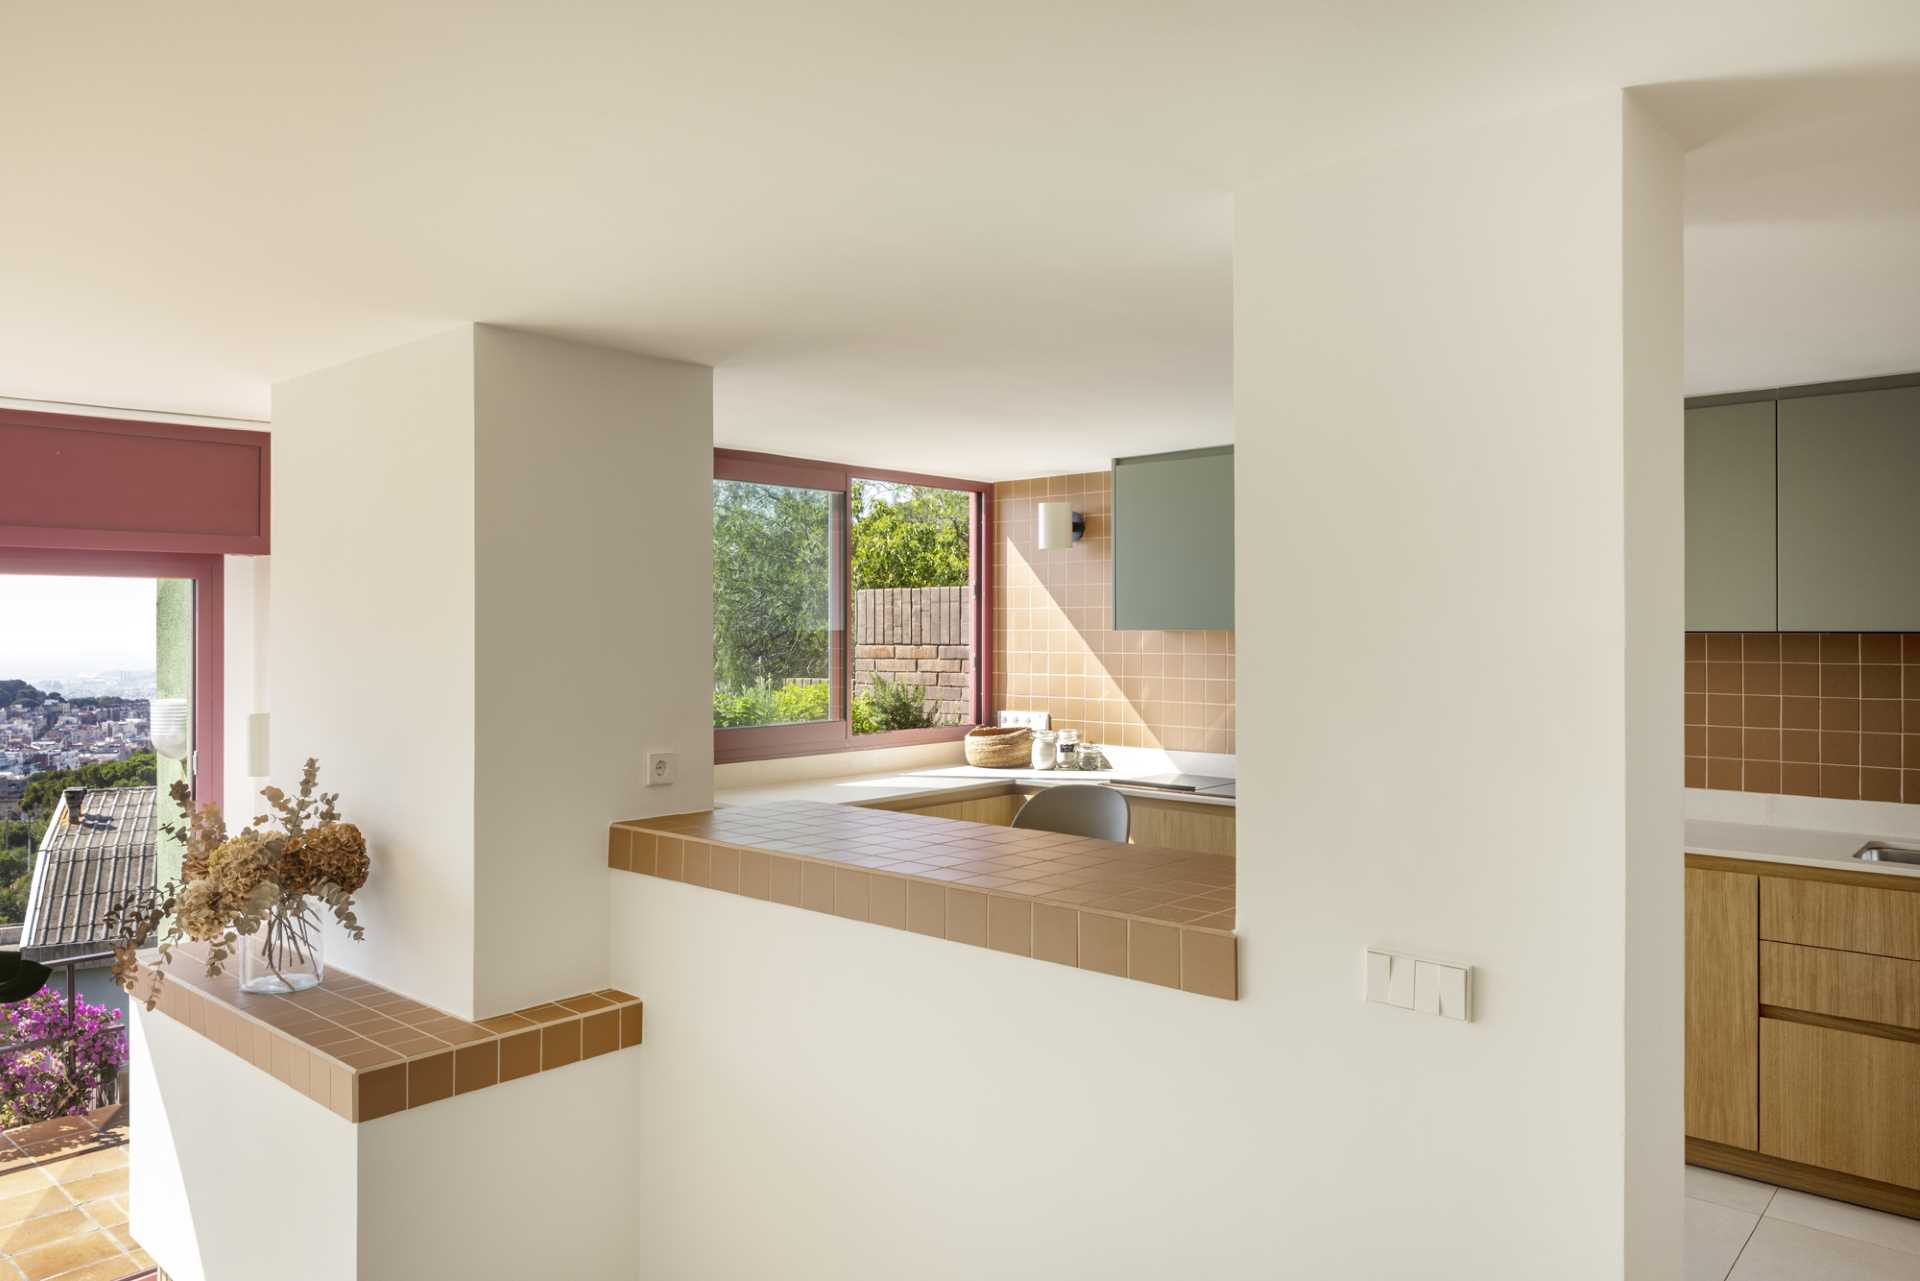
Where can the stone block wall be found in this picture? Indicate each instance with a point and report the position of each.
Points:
(917, 636)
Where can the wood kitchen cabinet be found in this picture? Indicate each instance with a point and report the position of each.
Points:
(1803, 1028)
(1730, 518)
(1173, 541)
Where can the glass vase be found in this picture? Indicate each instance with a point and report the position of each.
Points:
(286, 954)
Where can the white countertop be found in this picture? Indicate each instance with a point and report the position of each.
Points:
(855, 789)
(1804, 846)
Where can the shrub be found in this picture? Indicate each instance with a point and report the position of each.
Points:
(762, 705)
(62, 1079)
(891, 706)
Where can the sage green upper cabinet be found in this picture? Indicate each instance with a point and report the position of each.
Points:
(1730, 518)
(1849, 544)
(1173, 541)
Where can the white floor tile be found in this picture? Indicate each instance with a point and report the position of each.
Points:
(1846, 1220)
(1714, 1237)
(1783, 1251)
(1728, 1190)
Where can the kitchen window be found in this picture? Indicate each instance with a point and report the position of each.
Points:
(849, 607)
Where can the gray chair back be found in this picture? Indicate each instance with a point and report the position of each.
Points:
(1078, 809)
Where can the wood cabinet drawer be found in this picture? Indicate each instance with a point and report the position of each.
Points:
(1840, 1100)
(1851, 918)
(1846, 985)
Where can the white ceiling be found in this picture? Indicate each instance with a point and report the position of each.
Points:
(990, 239)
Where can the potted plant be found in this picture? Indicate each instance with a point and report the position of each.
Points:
(252, 892)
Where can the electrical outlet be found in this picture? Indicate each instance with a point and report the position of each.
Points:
(662, 768)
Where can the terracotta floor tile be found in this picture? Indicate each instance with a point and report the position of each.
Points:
(63, 1257)
(46, 1199)
(111, 1184)
(45, 1229)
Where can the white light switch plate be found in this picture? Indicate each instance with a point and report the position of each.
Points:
(1423, 986)
(662, 768)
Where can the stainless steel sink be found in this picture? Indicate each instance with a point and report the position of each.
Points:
(1881, 852)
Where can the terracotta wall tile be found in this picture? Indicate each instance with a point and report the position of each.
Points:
(1804, 714)
(1055, 648)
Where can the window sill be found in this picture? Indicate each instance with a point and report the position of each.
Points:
(755, 743)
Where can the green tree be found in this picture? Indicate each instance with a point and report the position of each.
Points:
(909, 536)
(43, 790)
(771, 584)
(18, 691)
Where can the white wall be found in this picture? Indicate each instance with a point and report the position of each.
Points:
(532, 1179)
(1458, 393)
(372, 623)
(231, 1173)
(234, 1175)
(593, 617)
(491, 599)
(247, 597)
(1655, 589)
(1464, 722)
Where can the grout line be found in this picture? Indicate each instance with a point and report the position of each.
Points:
(1749, 1237)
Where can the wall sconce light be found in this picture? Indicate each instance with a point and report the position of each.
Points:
(169, 728)
(1060, 525)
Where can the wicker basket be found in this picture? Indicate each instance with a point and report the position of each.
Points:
(999, 748)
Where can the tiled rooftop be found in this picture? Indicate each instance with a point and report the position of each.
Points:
(84, 866)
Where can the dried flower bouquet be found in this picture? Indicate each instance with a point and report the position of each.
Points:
(256, 882)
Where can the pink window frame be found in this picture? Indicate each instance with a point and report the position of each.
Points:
(209, 624)
(769, 742)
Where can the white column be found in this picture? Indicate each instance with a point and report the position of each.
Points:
(1458, 413)
(491, 597)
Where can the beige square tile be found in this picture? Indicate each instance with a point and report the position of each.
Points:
(723, 868)
(783, 879)
(290, 1062)
(641, 852)
(1010, 925)
(927, 909)
(754, 881)
(887, 901)
(966, 916)
(1210, 964)
(694, 861)
(852, 893)
(667, 858)
(1103, 943)
(1153, 953)
(816, 887)
(1056, 934)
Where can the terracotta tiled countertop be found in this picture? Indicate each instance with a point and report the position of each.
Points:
(1160, 916)
(367, 1052)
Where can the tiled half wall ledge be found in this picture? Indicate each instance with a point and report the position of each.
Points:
(1132, 911)
(365, 1052)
